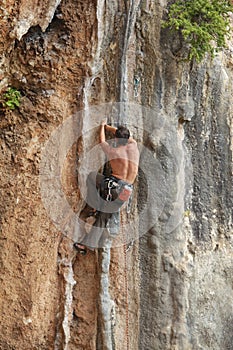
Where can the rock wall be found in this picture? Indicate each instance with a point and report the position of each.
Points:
(170, 285)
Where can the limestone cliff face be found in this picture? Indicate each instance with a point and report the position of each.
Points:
(170, 285)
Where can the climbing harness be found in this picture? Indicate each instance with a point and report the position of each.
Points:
(123, 190)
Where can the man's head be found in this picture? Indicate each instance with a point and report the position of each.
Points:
(122, 134)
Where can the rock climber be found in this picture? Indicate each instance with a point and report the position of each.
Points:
(106, 194)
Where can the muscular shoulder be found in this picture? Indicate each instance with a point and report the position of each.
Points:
(109, 150)
(132, 146)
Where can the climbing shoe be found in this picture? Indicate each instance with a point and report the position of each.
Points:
(80, 248)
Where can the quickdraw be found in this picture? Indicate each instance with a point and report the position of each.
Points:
(123, 190)
(109, 187)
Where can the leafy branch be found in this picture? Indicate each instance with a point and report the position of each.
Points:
(204, 25)
(11, 98)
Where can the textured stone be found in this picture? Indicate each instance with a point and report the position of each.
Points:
(170, 289)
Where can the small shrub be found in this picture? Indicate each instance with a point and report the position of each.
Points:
(11, 98)
(204, 24)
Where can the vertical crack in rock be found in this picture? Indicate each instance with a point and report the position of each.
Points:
(68, 310)
(107, 305)
(124, 74)
(97, 64)
(66, 271)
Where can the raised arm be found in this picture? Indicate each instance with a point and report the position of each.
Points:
(110, 128)
(104, 145)
(102, 131)
(106, 127)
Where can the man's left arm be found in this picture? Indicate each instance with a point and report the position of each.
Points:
(105, 146)
(102, 131)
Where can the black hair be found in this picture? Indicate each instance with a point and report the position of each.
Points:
(123, 134)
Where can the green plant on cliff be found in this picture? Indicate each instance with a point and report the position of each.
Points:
(204, 25)
(11, 98)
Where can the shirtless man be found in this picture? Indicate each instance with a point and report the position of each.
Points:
(124, 158)
(114, 189)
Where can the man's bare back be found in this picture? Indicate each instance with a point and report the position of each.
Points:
(124, 159)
